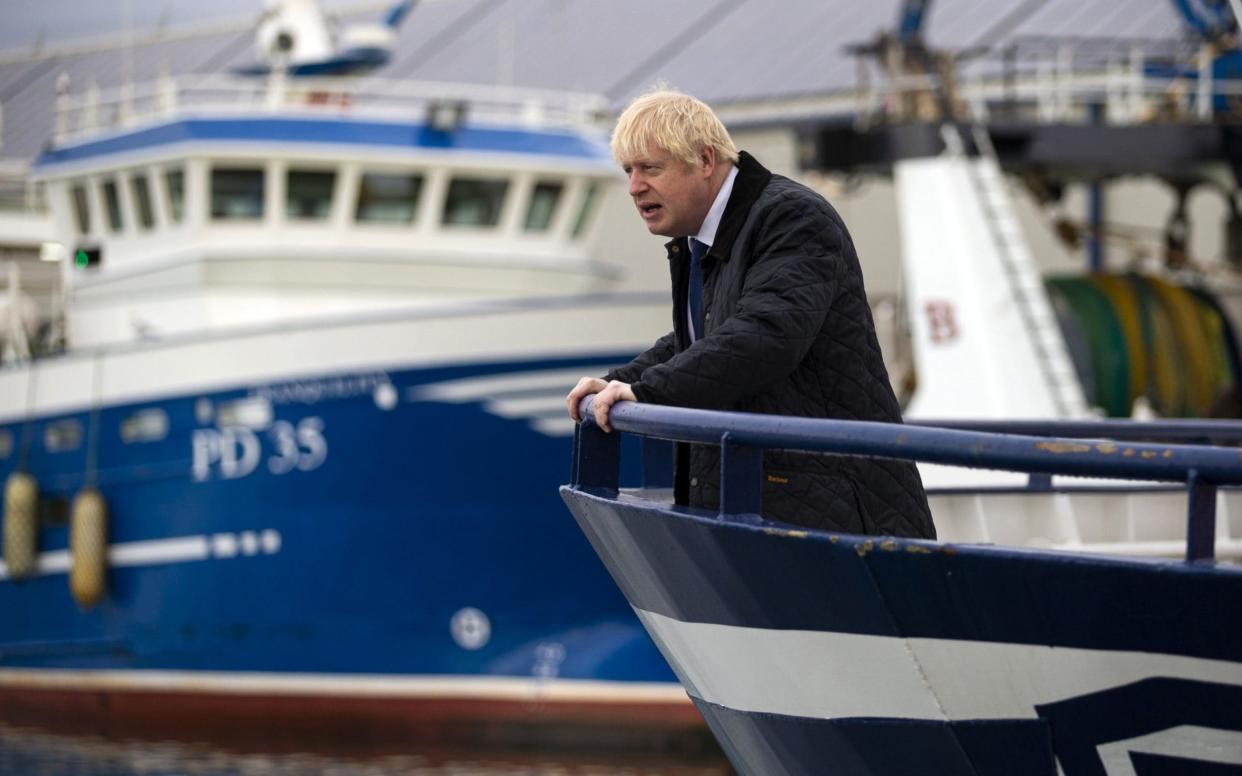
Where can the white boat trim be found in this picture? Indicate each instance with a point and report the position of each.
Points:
(354, 685)
(826, 675)
(155, 552)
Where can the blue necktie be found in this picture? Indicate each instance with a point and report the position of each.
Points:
(697, 249)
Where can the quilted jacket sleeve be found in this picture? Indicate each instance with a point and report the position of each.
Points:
(787, 287)
(658, 353)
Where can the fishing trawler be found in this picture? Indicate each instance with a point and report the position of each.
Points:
(275, 470)
(1078, 613)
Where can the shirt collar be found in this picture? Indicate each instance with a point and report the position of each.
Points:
(707, 232)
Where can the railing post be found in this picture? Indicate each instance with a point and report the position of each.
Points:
(62, 106)
(1203, 99)
(597, 457)
(741, 477)
(1039, 482)
(1137, 84)
(89, 116)
(657, 463)
(1200, 518)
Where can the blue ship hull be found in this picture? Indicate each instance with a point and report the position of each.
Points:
(812, 653)
(363, 550)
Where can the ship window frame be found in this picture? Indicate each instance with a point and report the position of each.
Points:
(142, 198)
(80, 204)
(174, 197)
(250, 216)
(588, 206)
(150, 424)
(110, 190)
(548, 217)
(253, 412)
(421, 184)
(494, 201)
(71, 428)
(327, 204)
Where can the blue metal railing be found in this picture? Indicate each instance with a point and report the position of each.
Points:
(1072, 451)
(1208, 432)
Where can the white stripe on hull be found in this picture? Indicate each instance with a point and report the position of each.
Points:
(842, 675)
(1186, 742)
(154, 552)
(537, 396)
(356, 686)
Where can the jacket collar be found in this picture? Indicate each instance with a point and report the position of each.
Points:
(752, 179)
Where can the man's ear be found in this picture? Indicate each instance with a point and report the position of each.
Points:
(707, 159)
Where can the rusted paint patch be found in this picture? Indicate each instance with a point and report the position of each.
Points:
(1063, 447)
(791, 533)
(1107, 448)
(1148, 455)
(1167, 454)
(1129, 452)
(918, 548)
(888, 544)
(864, 548)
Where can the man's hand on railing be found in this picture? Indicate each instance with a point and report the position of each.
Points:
(606, 395)
(585, 387)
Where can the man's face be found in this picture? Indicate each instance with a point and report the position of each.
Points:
(672, 197)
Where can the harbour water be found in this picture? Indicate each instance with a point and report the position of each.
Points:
(28, 752)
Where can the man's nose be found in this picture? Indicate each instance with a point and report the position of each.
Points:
(637, 184)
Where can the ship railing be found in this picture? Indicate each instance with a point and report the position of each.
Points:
(443, 105)
(1062, 80)
(1095, 449)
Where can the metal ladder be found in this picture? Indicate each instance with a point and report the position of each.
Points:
(1024, 282)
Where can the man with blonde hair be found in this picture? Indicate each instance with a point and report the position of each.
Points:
(769, 316)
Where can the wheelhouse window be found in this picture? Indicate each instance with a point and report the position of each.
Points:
(543, 201)
(474, 201)
(308, 194)
(586, 210)
(386, 198)
(140, 192)
(236, 193)
(81, 208)
(174, 182)
(112, 201)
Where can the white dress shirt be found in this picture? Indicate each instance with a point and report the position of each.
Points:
(711, 223)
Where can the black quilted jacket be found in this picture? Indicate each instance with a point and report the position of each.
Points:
(787, 332)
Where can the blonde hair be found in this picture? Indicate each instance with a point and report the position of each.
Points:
(676, 122)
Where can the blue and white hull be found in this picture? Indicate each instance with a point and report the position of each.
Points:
(349, 523)
(811, 653)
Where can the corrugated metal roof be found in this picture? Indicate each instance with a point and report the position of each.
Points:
(720, 50)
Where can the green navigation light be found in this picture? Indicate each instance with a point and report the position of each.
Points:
(81, 260)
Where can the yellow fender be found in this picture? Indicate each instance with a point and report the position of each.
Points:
(88, 547)
(21, 525)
